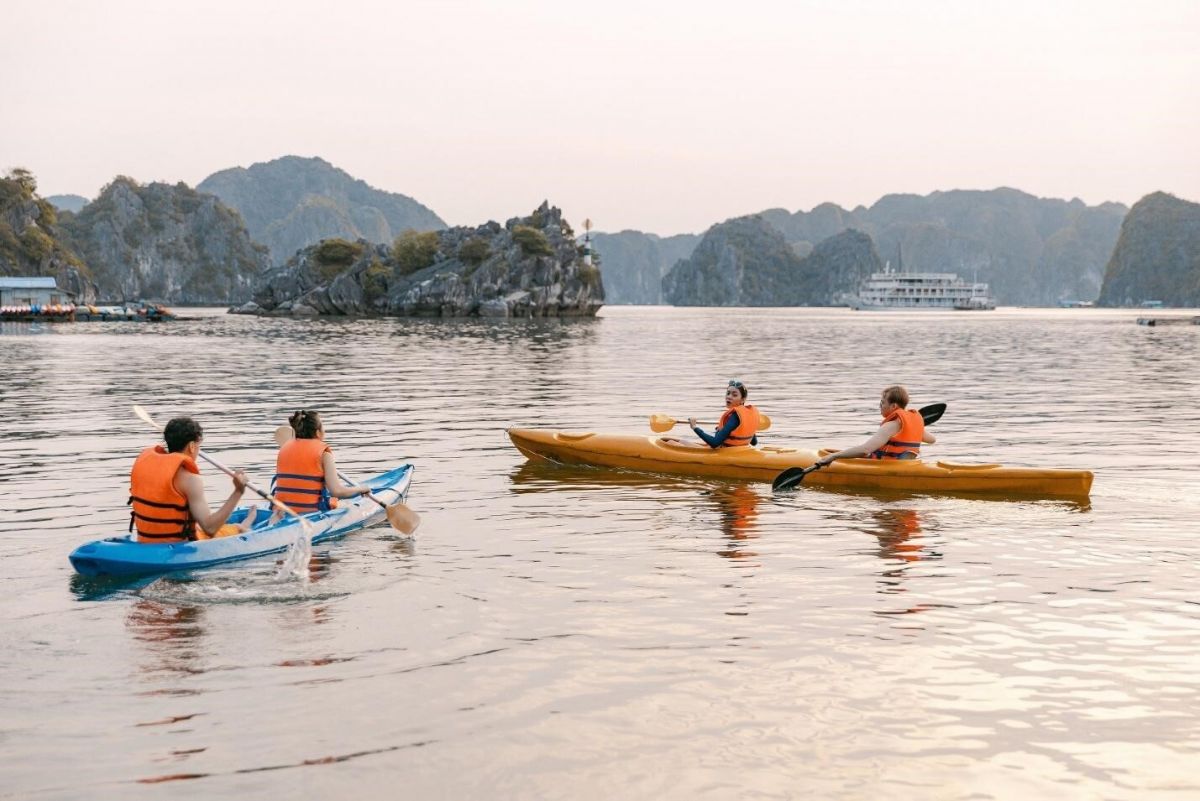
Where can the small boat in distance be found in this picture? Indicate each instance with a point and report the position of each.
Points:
(920, 292)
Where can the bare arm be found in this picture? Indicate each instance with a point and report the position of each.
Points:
(928, 438)
(192, 486)
(333, 483)
(877, 441)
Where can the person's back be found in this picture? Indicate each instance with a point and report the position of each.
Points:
(166, 494)
(159, 510)
(906, 442)
(900, 435)
(306, 476)
(299, 476)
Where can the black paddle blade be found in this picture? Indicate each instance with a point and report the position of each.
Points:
(932, 413)
(791, 477)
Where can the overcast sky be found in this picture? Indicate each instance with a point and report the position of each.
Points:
(661, 116)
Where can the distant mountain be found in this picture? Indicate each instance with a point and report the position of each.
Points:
(1033, 251)
(71, 203)
(1157, 256)
(747, 262)
(33, 243)
(164, 242)
(293, 202)
(634, 263)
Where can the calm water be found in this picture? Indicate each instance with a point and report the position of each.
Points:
(573, 633)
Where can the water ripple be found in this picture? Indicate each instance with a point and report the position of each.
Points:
(587, 633)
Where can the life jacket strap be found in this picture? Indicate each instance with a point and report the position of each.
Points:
(157, 505)
(299, 477)
(165, 536)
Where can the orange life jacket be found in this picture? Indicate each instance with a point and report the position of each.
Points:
(159, 510)
(300, 478)
(747, 425)
(905, 443)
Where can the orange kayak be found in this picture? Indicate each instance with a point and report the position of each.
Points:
(658, 455)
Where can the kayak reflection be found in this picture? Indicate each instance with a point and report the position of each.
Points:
(544, 476)
(738, 508)
(899, 533)
(171, 634)
(903, 544)
(736, 504)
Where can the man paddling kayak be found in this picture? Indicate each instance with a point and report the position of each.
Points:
(737, 426)
(166, 493)
(899, 437)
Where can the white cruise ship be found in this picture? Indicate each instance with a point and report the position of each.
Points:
(921, 291)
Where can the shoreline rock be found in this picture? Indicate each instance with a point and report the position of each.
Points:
(529, 267)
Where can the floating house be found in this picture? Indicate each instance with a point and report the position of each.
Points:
(34, 298)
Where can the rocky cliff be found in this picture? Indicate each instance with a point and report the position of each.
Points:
(529, 267)
(31, 241)
(1157, 257)
(635, 263)
(747, 262)
(163, 242)
(830, 275)
(293, 202)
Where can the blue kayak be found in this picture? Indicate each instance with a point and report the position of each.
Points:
(124, 556)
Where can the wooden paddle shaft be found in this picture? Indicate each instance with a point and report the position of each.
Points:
(283, 507)
(346, 480)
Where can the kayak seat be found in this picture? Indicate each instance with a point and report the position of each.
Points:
(570, 436)
(953, 466)
(698, 447)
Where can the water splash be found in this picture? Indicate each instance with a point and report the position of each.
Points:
(295, 562)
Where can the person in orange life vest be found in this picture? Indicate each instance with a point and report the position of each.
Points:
(305, 471)
(167, 494)
(737, 426)
(899, 437)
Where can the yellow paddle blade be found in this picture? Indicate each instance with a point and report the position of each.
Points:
(402, 518)
(764, 422)
(661, 422)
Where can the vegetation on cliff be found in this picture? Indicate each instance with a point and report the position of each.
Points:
(529, 267)
(164, 242)
(32, 242)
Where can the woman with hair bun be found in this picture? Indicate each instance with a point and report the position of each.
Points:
(306, 476)
(737, 426)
